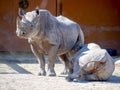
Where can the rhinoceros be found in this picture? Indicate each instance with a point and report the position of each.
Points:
(49, 35)
(91, 63)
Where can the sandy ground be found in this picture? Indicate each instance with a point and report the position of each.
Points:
(23, 76)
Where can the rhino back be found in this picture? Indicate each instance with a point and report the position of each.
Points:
(65, 20)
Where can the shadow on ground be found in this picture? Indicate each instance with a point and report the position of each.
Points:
(8, 66)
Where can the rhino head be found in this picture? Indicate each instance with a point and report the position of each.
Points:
(28, 26)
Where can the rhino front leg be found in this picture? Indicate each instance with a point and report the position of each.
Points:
(52, 53)
(74, 75)
(76, 72)
(41, 61)
(40, 58)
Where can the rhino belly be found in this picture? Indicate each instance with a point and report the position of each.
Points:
(66, 47)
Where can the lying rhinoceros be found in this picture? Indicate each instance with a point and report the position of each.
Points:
(92, 63)
(49, 35)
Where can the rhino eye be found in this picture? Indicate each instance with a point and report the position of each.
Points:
(32, 25)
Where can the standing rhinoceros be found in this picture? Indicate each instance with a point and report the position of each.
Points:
(92, 63)
(49, 35)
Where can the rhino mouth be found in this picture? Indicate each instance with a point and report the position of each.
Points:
(22, 36)
(26, 36)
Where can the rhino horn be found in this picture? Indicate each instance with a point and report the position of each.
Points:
(37, 10)
(18, 21)
(21, 12)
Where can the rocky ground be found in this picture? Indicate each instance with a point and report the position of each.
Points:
(23, 76)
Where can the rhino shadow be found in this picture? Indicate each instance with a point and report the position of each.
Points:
(112, 79)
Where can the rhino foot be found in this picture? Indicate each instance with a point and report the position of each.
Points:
(69, 79)
(51, 73)
(64, 72)
(42, 73)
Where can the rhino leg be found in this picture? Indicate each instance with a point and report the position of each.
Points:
(40, 58)
(76, 72)
(41, 61)
(73, 76)
(52, 53)
(63, 58)
(66, 63)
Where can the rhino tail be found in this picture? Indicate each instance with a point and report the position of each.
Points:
(80, 37)
(80, 40)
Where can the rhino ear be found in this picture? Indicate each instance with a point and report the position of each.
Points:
(37, 10)
(21, 12)
(18, 21)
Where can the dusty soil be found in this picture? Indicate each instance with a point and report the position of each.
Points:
(23, 76)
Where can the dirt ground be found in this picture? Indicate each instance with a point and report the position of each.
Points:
(23, 76)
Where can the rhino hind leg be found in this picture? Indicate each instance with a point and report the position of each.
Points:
(65, 71)
(67, 65)
(63, 60)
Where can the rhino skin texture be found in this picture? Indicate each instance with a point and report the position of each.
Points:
(91, 63)
(49, 35)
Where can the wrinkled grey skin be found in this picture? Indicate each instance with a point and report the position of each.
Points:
(91, 63)
(49, 35)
